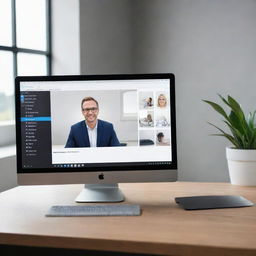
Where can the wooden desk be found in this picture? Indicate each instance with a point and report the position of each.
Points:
(164, 228)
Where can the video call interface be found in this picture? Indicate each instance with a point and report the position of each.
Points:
(79, 124)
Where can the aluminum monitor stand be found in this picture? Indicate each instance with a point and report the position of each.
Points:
(100, 193)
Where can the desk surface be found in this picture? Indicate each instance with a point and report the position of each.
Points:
(163, 227)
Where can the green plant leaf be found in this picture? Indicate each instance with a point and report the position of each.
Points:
(252, 141)
(236, 115)
(251, 118)
(216, 127)
(236, 134)
(230, 138)
(235, 121)
(224, 100)
(218, 108)
(236, 107)
(243, 130)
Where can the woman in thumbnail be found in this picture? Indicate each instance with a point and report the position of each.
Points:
(147, 121)
(161, 101)
(160, 139)
(148, 118)
(148, 102)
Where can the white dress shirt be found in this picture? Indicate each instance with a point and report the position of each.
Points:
(92, 134)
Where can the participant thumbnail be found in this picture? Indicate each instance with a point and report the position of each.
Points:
(162, 119)
(146, 100)
(147, 138)
(162, 100)
(163, 138)
(146, 118)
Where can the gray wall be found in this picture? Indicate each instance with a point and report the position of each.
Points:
(106, 36)
(210, 46)
(65, 37)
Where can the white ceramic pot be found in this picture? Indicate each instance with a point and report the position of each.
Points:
(242, 166)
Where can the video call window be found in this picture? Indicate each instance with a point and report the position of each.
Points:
(91, 118)
(127, 131)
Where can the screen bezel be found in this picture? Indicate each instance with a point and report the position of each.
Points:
(131, 166)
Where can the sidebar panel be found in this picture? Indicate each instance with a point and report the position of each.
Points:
(36, 129)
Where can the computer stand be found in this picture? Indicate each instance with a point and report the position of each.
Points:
(100, 193)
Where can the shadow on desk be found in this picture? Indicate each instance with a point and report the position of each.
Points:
(42, 251)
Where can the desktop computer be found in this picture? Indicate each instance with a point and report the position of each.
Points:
(97, 130)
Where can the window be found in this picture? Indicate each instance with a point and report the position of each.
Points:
(129, 104)
(25, 46)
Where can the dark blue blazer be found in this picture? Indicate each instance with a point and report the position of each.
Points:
(78, 136)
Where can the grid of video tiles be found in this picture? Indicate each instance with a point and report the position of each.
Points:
(154, 118)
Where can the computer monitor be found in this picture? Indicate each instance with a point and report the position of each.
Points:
(97, 130)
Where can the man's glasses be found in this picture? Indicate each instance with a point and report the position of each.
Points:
(87, 110)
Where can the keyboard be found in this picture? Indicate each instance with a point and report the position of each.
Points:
(94, 210)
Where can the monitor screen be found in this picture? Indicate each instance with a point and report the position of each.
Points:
(86, 124)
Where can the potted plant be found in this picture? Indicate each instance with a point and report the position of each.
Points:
(241, 156)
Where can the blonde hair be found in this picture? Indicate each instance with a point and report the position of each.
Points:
(161, 95)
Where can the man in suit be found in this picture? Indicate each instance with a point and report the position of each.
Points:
(91, 132)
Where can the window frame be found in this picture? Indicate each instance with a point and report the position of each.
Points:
(132, 116)
(15, 50)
